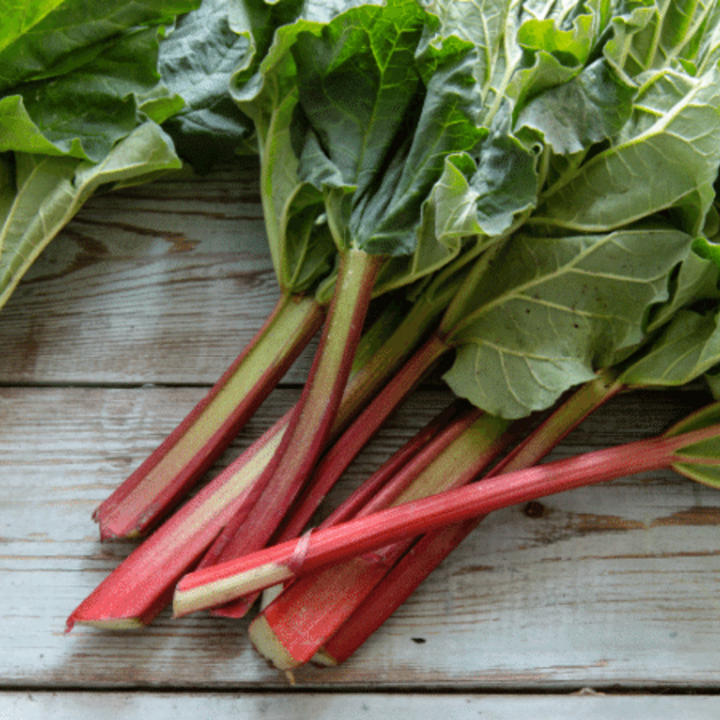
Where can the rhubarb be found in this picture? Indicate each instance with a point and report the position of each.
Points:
(690, 448)
(151, 492)
(142, 584)
(305, 615)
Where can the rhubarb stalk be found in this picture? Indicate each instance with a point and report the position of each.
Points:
(693, 453)
(307, 613)
(187, 453)
(312, 422)
(243, 536)
(431, 549)
(142, 584)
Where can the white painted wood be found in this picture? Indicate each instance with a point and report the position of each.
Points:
(318, 706)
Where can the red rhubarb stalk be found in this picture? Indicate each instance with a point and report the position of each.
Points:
(222, 583)
(431, 549)
(138, 588)
(306, 614)
(243, 536)
(313, 420)
(165, 477)
(357, 500)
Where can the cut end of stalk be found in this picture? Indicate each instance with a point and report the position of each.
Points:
(267, 644)
(114, 624)
(108, 534)
(325, 659)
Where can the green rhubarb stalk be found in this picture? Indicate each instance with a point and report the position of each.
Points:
(690, 448)
(152, 490)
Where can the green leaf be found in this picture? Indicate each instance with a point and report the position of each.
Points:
(571, 117)
(550, 311)
(378, 129)
(687, 348)
(264, 87)
(698, 280)
(49, 38)
(666, 159)
(655, 34)
(484, 196)
(196, 62)
(85, 112)
(49, 190)
(359, 87)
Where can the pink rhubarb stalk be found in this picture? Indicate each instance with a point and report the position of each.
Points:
(431, 549)
(240, 537)
(313, 420)
(306, 614)
(142, 585)
(357, 500)
(148, 495)
(222, 583)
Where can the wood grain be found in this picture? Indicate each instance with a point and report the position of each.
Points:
(118, 331)
(309, 706)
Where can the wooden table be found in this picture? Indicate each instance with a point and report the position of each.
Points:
(605, 604)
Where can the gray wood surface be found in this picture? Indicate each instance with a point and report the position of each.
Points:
(118, 331)
(309, 706)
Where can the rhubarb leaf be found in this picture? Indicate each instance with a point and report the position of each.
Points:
(80, 100)
(376, 128)
(196, 62)
(687, 348)
(264, 88)
(550, 311)
(534, 90)
(673, 136)
(351, 124)
(85, 112)
(48, 190)
(41, 39)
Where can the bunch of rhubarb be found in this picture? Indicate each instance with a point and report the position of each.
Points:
(532, 185)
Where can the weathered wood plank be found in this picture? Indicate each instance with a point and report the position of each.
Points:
(164, 283)
(315, 706)
(610, 585)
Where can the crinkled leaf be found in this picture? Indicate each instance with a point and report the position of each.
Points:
(532, 88)
(571, 117)
(654, 34)
(550, 311)
(264, 88)
(668, 163)
(48, 190)
(687, 348)
(697, 280)
(196, 62)
(46, 38)
(484, 196)
(85, 112)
